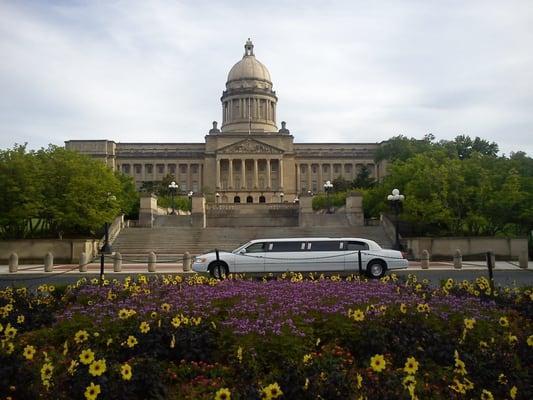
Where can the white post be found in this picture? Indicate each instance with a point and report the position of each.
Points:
(83, 262)
(117, 262)
(49, 262)
(458, 259)
(152, 259)
(424, 260)
(13, 262)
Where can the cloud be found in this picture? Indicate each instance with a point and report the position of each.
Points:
(346, 71)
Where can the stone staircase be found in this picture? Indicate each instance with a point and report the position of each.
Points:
(171, 242)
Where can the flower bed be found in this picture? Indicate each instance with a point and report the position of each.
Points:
(289, 337)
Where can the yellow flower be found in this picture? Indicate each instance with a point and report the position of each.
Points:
(504, 322)
(144, 327)
(272, 391)
(460, 367)
(73, 366)
(223, 394)
(408, 381)
(530, 340)
(469, 323)
(10, 332)
(306, 384)
(411, 366)
(10, 347)
(165, 307)
(87, 357)
(307, 359)
(29, 351)
(46, 371)
(513, 392)
(378, 363)
(125, 371)
(97, 368)
(502, 379)
(358, 315)
(403, 308)
(486, 395)
(458, 387)
(512, 339)
(449, 284)
(358, 381)
(81, 336)
(483, 345)
(20, 319)
(132, 341)
(239, 354)
(123, 313)
(92, 391)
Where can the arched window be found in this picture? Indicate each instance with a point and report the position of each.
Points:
(262, 199)
(249, 199)
(236, 199)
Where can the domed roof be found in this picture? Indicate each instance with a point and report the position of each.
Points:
(249, 67)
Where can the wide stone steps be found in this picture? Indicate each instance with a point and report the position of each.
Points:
(174, 241)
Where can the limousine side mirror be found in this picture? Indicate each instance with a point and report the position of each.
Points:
(242, 251)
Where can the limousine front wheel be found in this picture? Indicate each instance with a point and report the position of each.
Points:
(376, 269)
(218, 269)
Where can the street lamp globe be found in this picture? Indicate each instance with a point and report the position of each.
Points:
(173, 189)
(395, 199)
(281, 195)
(217, 195)
(327, 188)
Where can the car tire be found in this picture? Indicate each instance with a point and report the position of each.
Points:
(219, 270)
(376, 269)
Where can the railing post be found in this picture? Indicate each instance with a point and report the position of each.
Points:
(117, 262)
(458, 259)
(424, 259)
(523, 259)
(152, 259)
(13, 262)
(83, 262)
(49, 262)
(186, 262)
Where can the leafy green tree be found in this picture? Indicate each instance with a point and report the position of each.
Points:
(341, 185)
(363, 180)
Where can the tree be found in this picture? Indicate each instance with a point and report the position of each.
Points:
(61, 191)
(363, 179)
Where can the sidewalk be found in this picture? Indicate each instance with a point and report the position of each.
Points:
(130, 268)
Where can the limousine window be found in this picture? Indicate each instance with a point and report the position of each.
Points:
(256, 248)
(354, 246)
(286, 246)
(328, 245)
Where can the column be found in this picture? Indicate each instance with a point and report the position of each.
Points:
(231, 173)
(319, 178)
(243, 173)
(331, 172)
(269, 184)
(280, 173)
(298, 183)
(256, 179)
(309, 183)
(189, 176)
(218, 174)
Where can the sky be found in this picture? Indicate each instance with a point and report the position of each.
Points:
(343, 71)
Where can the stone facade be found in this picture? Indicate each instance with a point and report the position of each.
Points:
(248, 160)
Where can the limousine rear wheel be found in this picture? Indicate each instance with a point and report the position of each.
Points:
(376, 269)
(218, 269)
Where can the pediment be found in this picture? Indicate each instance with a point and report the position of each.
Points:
(249, 146)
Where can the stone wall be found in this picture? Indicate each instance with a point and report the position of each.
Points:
(249, 215)
(444, 247)
(33, 251)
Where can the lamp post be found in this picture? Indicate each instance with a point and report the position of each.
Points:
(217, 196)
(106, 248)
(327, 188)
(395, 199)
(173, 189)
(281, 195)
(190, 204)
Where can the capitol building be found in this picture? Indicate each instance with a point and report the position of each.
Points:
(249, 159)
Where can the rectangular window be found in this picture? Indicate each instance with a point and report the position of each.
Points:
(183, 168)
(172, 168)
(194, 168)
(329, 245)
(337, 169)
(138, 168)
(160, 168)
(149, 168)
(126, 168)
(283, 247)
(354, 246)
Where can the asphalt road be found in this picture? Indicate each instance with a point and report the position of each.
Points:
(502, 277)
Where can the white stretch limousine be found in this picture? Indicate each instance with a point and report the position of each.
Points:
(302, 254)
